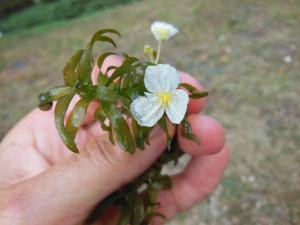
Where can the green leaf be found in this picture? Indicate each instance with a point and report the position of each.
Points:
(138, 135)
(124, 217)
(101, 32)
(195, 94)
(162, 182)
(198, 95)
(120, 127)
(110, 68)
(137, 208)
(59, 114)
(102, 79)
(101, 117)
(103, 57)
(85, 67)
(70, 74)
(86, 62)
(164, 125)
(103, 93)
(46, 99)
(187, 132)
(126, 67)
(58, 92)
(104, 39)
(76, 117)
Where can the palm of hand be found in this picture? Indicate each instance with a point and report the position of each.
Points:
(38, 170)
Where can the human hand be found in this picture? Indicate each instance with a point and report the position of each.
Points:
(42, 182)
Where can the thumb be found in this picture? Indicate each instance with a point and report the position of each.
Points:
(69, 190)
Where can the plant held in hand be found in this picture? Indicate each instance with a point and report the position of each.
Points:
(133, 98)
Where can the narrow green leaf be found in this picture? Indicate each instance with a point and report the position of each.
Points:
(120, 127)
(137, 206)
(104, 39)
(110, 68)
(102, 79)
(59, 114)
(85, 67)
(103, 31)
(76, 117)
(124, 217)
(70, 74)
(103, 57)
(58, 92)
(198, 95)
(101, 117)
(162, 182)
(103, 93)
(195, 93)
(125, 68)
(164, 125)
(187, 132)
(138, 135)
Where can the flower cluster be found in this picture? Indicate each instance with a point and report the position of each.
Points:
(161, 82)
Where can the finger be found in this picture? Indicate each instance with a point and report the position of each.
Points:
(209, 132)
(197, 181)
(75, 185)
(195, 105)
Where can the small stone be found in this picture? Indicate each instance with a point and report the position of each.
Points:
(221, 38)
(287, 59)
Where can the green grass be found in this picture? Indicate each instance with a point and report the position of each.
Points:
(253, 92)
(46, 12)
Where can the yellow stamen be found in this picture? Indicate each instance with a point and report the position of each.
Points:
(164, 97)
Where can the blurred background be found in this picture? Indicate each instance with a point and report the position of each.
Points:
(245, 52)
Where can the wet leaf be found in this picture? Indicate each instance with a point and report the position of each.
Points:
(195, 94)
(198, 95)
(59, 114)
(120, 127)
(164, 125)
(104, 39)
(85, 67)
(102, 79)
(186, 131)
(76, 117)
(102, 58)
(101, 32)
(70, 74)
(101, 117)
(124, 217)
(162, 182)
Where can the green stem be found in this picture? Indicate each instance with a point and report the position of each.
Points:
(158, 52)
(151, 58)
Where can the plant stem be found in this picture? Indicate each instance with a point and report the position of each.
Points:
(158, 52)
(151, 58)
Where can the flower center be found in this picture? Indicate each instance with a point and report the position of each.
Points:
(163, 33)
(164, 97)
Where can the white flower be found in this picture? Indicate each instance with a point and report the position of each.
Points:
(161, 81)
(163, 31)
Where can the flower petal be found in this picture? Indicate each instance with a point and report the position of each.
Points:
(147, 110)
(177, 107)
(162, 30)
(161, 78)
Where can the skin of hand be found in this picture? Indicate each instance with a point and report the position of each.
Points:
(42, 182)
